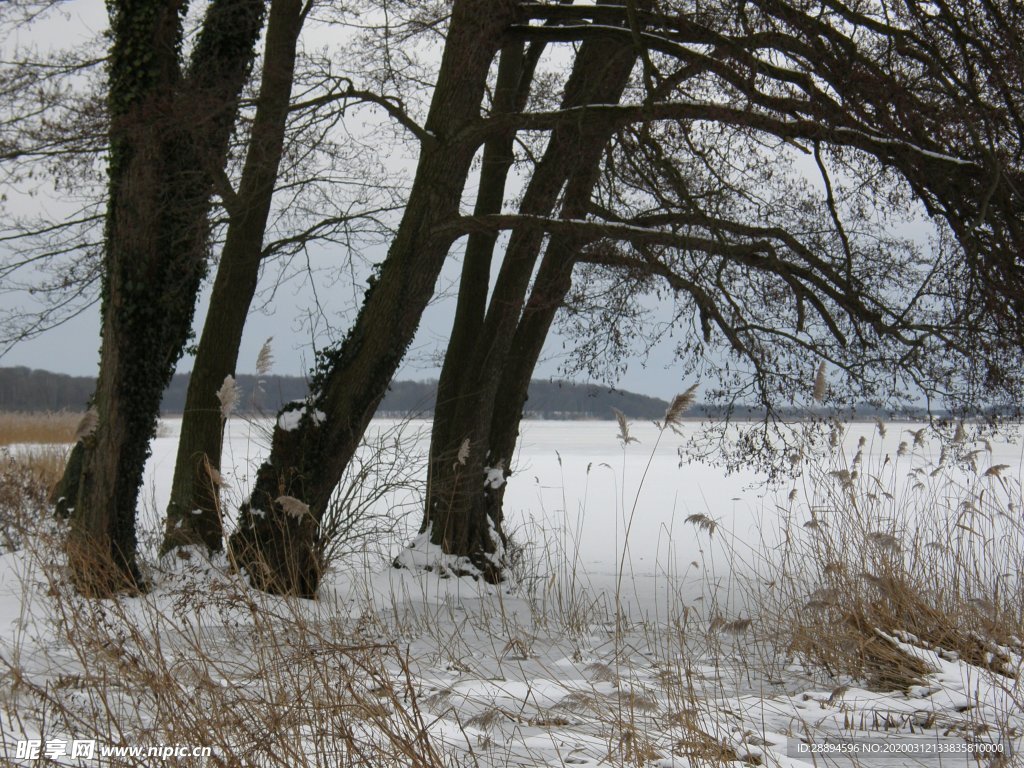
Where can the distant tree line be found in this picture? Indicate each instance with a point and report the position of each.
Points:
(27, 389)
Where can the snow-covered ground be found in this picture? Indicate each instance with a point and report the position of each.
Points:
(631, 636)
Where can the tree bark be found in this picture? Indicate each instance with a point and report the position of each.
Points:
(65, 492)
(194, 514)
(463, 508)
(168, 134)
(515, 73)
(553, 283)
(351, 379)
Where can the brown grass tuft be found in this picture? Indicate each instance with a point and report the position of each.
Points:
(703, 522)
(623, 423)
(941, 572)
(228, 395)
(34, 468)
(265, 358)
(463, 455)
(87, 426)
(291, 506)
(680, 405)
(26, 478)
(820, 383)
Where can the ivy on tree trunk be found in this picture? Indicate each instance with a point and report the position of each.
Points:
(168, 131)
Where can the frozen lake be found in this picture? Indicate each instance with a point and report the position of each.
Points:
(601, 508)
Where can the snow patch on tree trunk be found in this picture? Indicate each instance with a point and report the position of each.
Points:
(494, 477)
(290, 419)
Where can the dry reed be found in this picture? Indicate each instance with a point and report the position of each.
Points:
(38, 428)
(870, 560)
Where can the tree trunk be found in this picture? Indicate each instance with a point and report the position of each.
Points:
(351, 379)
(193, 514)
(463, 508)
(276, 540)
(515, 74)
(166, 137)
(66, 490)
(553, 283)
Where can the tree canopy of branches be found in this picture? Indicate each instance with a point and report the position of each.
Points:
(53, 126)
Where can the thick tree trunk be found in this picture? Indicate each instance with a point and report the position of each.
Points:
(515, 73)
(276, 542)
(352, 378)
(463, 508)
(166, 136)
(101, 543)
(193, 514)
(553, 283)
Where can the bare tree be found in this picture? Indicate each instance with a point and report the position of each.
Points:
(57, 132)
(782, 277)
(290, 173)
(459, 515)
(313, 444)
(685, 177)
(52, 144)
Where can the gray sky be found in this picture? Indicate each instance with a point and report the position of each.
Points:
(73, 348)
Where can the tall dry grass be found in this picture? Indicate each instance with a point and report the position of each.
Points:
(26, 478)
(882, 550)
(38, 428)
(866, 564)
(204, 660)
(280, 682)
(34, 466)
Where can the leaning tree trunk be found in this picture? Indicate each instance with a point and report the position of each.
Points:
(553, 283)
(515, 74)
(463, 505)
(276, 538)
(193, 513)
(166, 133)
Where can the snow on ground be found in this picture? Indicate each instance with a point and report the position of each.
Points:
(603, 652)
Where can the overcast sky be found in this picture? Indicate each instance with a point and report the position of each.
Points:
(74, 347)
